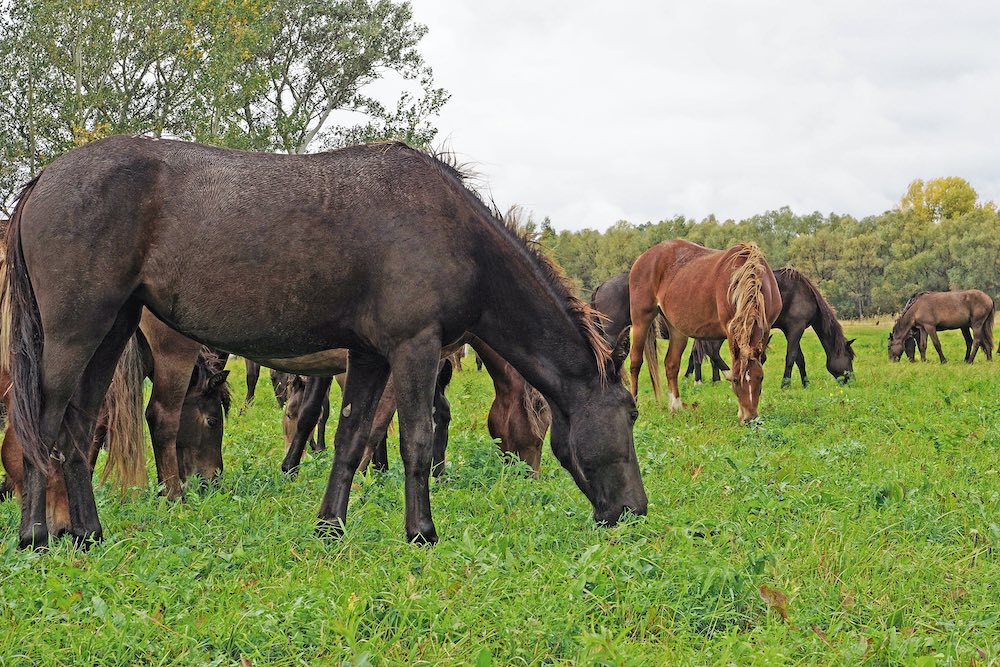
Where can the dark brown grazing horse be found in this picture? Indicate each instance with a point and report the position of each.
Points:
(706, 349)
(803, 306)
(199, 436)
(930, 312)
(612, 300)
(124, 222)
(519, 416)
(704, 293)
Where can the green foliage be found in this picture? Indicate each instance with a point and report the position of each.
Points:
(864, 267)
(853, 525)
(281, 75)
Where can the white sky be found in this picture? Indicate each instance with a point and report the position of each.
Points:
(591, 112)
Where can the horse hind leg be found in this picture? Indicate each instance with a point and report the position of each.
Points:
(932, 332)
(971, 344)
(72, 402)
(672, 367)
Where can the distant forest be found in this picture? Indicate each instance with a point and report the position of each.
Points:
(940, 236)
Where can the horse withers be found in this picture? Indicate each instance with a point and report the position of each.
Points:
(97, 236)
(704, 293)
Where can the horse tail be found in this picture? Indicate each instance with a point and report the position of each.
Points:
(988, 326)
(123, 409)
(747, 297)
(649, 354)
(21, 340)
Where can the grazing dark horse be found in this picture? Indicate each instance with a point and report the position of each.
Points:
(929, 312)
(123, 223)
(704, 293)
(611, 298)
(199, 435)
(803, 306)
(706, 349)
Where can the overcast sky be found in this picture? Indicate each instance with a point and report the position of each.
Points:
(592, 112)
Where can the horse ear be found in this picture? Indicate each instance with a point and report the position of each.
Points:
(218, 380)
(619, 353)
(851, 342)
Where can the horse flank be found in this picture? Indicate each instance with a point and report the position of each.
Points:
(747, 297)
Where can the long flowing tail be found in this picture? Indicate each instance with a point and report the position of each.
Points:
(21, 341)
(649, 354)
(123, 406)
(988, 327)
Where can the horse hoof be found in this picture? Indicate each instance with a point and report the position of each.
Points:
(291, 471)
(424, 537)
(786, 383)
(36, 539)
(330, 529)
(87, 538)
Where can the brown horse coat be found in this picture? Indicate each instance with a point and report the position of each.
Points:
(931, 312)
(705, 293)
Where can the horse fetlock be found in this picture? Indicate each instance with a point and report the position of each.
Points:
(423, 533)
(35, 537)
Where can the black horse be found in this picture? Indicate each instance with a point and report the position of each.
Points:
(381, 249)
(802, 307)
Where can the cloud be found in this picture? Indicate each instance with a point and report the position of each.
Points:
(589, 112)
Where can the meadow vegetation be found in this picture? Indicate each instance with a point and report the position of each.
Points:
(852, 525)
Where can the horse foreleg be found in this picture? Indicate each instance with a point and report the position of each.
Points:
(792, 353)
(253, 374)
(970, 349)
(365, 382)
(309, 410)
(922, 344)
(324, 417)
(932, 332)
(415, 369)
(442, 419)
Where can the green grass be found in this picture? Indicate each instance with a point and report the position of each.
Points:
(873, 509)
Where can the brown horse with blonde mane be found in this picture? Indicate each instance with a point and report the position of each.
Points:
(704, 293)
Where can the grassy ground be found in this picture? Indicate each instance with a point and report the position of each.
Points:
(854, 525)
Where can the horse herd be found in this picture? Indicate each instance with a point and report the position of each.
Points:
(379, 259)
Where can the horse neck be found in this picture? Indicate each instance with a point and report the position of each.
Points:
(498, 368)
(827, 328)
(903, 324)
(536, 336)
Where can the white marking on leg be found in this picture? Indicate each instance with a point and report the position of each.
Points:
(346, 411)
(675, 403)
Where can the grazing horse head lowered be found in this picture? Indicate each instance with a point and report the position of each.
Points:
(420, 259)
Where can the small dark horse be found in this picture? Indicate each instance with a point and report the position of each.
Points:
(704, 293)
(199, 436)
(124, 222)
(803, 306)
(611, 298)
(929, 312)
(706, 349)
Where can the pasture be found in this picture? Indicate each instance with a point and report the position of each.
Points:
(852, 525)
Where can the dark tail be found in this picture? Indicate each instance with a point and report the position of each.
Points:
(988, 327)
(21, 341)
(649, 354)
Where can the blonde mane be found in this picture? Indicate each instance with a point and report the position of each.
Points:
(747, 296)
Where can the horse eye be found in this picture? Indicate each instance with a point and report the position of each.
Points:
(212, 422)
(634, 415)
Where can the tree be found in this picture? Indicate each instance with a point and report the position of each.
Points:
(939, 199)
(257, 74)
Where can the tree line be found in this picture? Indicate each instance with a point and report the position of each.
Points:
(939, 237)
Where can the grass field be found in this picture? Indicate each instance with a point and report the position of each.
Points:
(853, 525)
